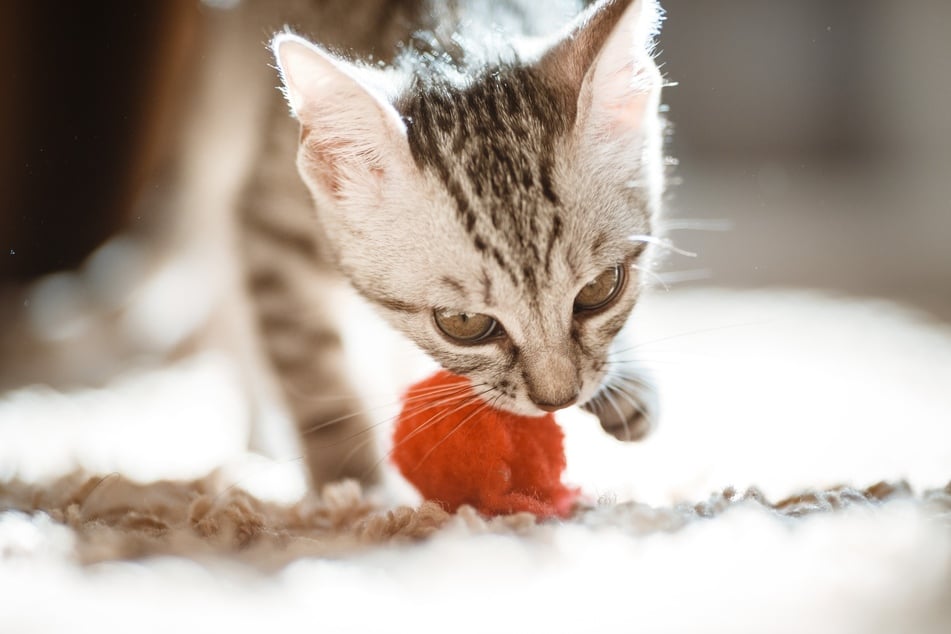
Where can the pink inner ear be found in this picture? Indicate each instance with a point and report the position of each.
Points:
(349, 134)
(334, 157)
(329, 159)
(620, 101)
(322, 156)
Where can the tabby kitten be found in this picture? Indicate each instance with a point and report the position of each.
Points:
(492, 191)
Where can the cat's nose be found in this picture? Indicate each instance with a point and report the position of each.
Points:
(554, 407)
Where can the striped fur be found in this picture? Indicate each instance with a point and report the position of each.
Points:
(484, 170)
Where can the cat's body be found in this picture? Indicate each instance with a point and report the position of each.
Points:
(491, 191)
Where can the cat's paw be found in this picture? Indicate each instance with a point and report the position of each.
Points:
(627, 409)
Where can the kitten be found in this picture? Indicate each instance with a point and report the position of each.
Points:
(492, 191)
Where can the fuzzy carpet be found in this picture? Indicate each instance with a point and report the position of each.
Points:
(797, 482)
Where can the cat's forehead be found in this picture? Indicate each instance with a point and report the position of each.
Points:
(522, 218)
(491, 145)
(493, 135)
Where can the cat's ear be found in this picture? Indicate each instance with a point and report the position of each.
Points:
(350, 134)
(606, 59)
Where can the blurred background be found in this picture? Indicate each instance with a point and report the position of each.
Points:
(813, 144)
(819, 131)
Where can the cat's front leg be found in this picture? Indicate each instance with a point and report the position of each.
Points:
(627, 405)
(292, 288)
(301, 339)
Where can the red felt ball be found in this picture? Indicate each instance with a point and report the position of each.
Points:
(456, 449)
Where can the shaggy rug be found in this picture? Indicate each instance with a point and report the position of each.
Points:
(796, 483)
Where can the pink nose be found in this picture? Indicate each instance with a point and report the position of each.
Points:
(554, 407)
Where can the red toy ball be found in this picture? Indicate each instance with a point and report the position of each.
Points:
(455, 449)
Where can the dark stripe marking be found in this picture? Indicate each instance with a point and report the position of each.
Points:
(300, 243)
(453, 284)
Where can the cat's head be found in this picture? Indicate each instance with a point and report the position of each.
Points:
(496, 216)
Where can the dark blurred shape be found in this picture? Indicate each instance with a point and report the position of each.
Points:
(82, 89)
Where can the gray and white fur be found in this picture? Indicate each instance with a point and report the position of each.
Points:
(495, 165)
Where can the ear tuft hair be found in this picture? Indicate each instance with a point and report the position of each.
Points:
(349, 133)
(606, 58)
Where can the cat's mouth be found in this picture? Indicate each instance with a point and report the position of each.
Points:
(554, 407)
(524, 405)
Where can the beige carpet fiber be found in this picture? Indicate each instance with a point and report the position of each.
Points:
(114, 518)
(797, 483)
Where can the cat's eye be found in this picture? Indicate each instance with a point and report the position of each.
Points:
(600, 291)
(466, 328)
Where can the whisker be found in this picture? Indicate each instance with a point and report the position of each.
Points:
(633, 381)
(374, 426)
(475, 412)
(633, 378)
(689, 275)
(597, 401)
(688, 333)
(620, 363)
(652, 274)
(635, 402)
(610, 399)
(429, 423)
(418, 397)
(343, 397)
(664, 243)
(696, 224)
(370, 428)
(672, 358)
(443, 415)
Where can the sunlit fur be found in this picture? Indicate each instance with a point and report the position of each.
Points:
(568, 135)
